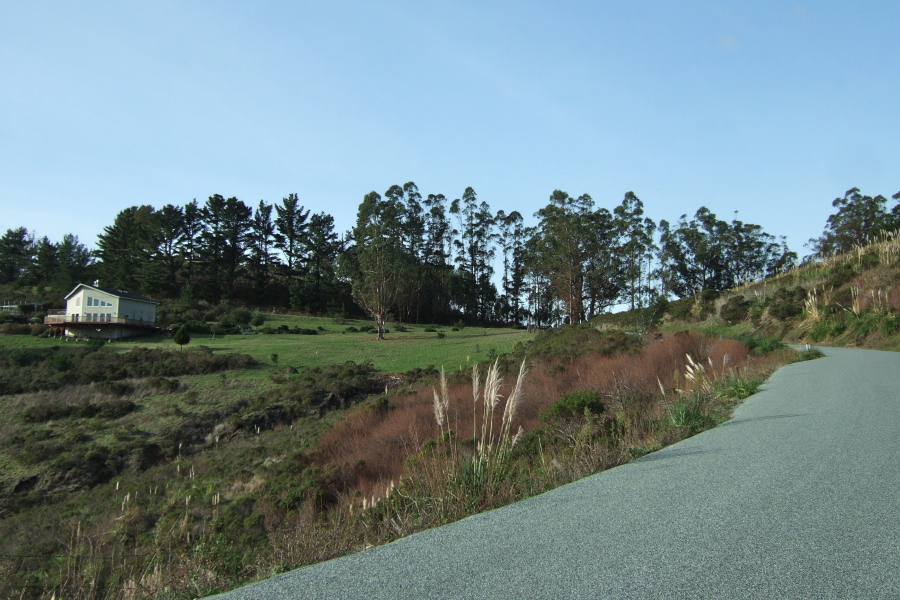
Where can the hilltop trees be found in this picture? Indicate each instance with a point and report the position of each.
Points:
(707, 253)
(377, 261)
(576, 249)
(858, 218)
(124, 248)
(475, 292)
(16, 247)
(424, 258)
(636, 234)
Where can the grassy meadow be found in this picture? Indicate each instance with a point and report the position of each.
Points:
(402, 350)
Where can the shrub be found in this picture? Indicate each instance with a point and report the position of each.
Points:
(735, 310)
(840, 275)
(680, 310)
(257, 319)
(787, 304)
(819, 331)
(15, 329)
(574, 405)
(430, 330)
(304, 331)
(890, 324)
(240, 316)
(867, 323)
(181, 336)
(756, 312)
(759, 344)
(163, 385)
(811, 354)
(113, 388)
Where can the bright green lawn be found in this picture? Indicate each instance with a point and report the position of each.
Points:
(399, 352)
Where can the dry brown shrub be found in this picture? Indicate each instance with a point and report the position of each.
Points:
(370, 448)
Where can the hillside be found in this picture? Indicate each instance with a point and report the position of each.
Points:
(137, 470)
(850, 299)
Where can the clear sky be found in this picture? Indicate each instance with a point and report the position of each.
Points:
(767, 108)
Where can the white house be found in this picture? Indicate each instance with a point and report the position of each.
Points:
(93, 311)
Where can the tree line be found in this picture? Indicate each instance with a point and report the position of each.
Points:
(426, 258)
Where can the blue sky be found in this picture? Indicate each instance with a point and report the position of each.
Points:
(768, 108)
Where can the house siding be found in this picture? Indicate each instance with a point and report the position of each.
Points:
(91, 312)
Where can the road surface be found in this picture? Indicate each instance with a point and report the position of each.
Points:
(797, 497)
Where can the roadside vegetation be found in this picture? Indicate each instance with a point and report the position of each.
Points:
(166, 486)
(252, 441)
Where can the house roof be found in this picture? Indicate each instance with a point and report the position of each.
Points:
(112, 292)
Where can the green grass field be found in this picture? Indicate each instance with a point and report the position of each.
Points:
(401, 351)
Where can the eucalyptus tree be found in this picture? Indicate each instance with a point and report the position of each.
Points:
(436, 254)
(707, 253)
(753, 254)
(561, 246)
(475, 254)
(513, 235)
(691, 255)
(858, 219)
(606, 270)
(377, 261)
(636, 234)
(404, 205)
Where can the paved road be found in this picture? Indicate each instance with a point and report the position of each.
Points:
(797, 497)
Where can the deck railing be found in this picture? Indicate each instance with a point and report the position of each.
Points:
(52, 319)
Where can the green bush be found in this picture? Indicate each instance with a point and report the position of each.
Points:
(756, 312)
(759, 344)
(304, 331)
(890, 324)
(735, 310)
(15, 329)
(162, 385)
(811, 354)
(819, 331)
(240, 316)
(574, 405)
(840, 275)
(867, 323)
(787, 304)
